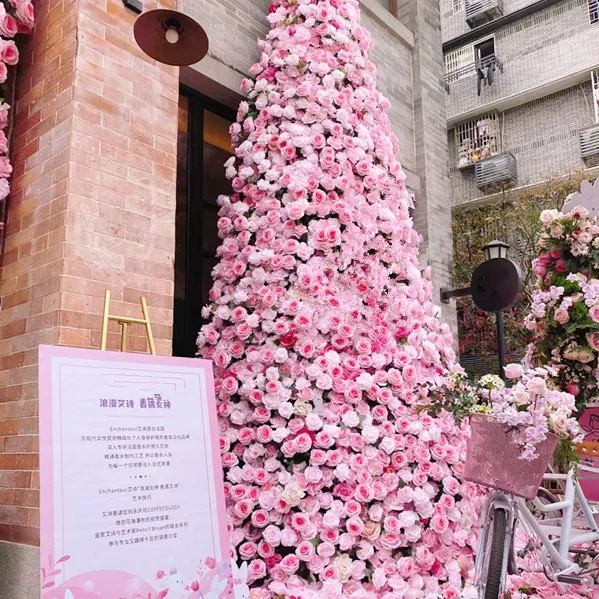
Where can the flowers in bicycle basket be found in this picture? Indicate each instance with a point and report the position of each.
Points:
(531, 408)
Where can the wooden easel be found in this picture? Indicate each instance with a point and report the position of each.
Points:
(124, 322)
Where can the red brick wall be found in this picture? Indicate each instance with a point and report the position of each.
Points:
(92, 208)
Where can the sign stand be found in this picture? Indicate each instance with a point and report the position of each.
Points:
(124, 322)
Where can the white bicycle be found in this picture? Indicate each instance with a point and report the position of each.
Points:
(554, 535)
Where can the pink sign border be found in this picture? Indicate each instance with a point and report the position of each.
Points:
(47, 353)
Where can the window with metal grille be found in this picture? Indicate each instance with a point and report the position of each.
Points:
(595, 87)
(593, 10)
(478, 139)
(459, 64)
(457, 6)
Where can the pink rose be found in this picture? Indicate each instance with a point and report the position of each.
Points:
(5, 167)
(439, 523)
(256, 570)
(24, 10)
(513, 371)
(290, 564)
(3, 143)
(9, 26)
(354, 526)
(247, 550)
(272, 535)
(9, 52)
(260, 518)
(305, 551)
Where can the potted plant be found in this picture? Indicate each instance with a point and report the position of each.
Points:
(514, 429)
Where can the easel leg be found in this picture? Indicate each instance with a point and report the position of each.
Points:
(123, 336)
(144, 309)
(105, 318)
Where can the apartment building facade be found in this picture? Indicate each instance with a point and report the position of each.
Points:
(522, 93)
(117, 164)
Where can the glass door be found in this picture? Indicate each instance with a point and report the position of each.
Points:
(203, 148)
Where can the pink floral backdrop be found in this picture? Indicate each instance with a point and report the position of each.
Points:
(324, 336)
(16, 17)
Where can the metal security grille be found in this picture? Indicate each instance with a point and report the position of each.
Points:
(593, 10)
(459, 64)
(595, 84)
(478, 139)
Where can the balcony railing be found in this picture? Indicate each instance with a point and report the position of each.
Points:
(497, 170)
(589, 142)
(479, 12)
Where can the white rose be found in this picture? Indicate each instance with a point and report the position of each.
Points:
(387, 445)
(558, 424)
(272, 373)
(313, 421)
(342, 472)
(343, 566)
(365, 381)
(313, 371)
(333, 357)
(293, 494)
(324, 382)
(370, 434)
(281, 355)
(280, 434)
(286, 409)
(351, 419)
(301, 408)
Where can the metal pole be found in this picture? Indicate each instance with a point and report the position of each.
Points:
(500, 343)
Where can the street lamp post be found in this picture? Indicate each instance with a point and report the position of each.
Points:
(498, 249)
(495, 287)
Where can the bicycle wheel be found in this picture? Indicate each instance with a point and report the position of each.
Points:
(528, 551)
(495, 550)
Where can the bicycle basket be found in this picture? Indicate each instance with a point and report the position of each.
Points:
(493, 459)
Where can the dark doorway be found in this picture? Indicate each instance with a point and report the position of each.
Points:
(203, 148)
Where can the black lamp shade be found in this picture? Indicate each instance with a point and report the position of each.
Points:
(150, 33)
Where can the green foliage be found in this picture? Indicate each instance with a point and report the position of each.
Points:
(515, 220)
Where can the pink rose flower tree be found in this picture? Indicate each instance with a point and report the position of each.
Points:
(16, 16)
(565, 307)
(324, 337)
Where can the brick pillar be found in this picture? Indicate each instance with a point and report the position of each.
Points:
(433, 201)
(92, 208)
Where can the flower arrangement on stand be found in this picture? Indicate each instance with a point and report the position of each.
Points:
(16, 17)
(324, 337)
(565, 309)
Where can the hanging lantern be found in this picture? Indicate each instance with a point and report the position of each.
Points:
(171, 37)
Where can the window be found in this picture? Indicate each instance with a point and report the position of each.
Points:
(477, 139)
(484, 53)
(457, 6)
(593, 10)
(459, 64)
(595, 87)
(390, 5)
(203, 148)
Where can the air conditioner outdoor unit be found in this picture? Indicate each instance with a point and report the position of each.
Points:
(497, 170)
(589, 142)
(479, 12)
